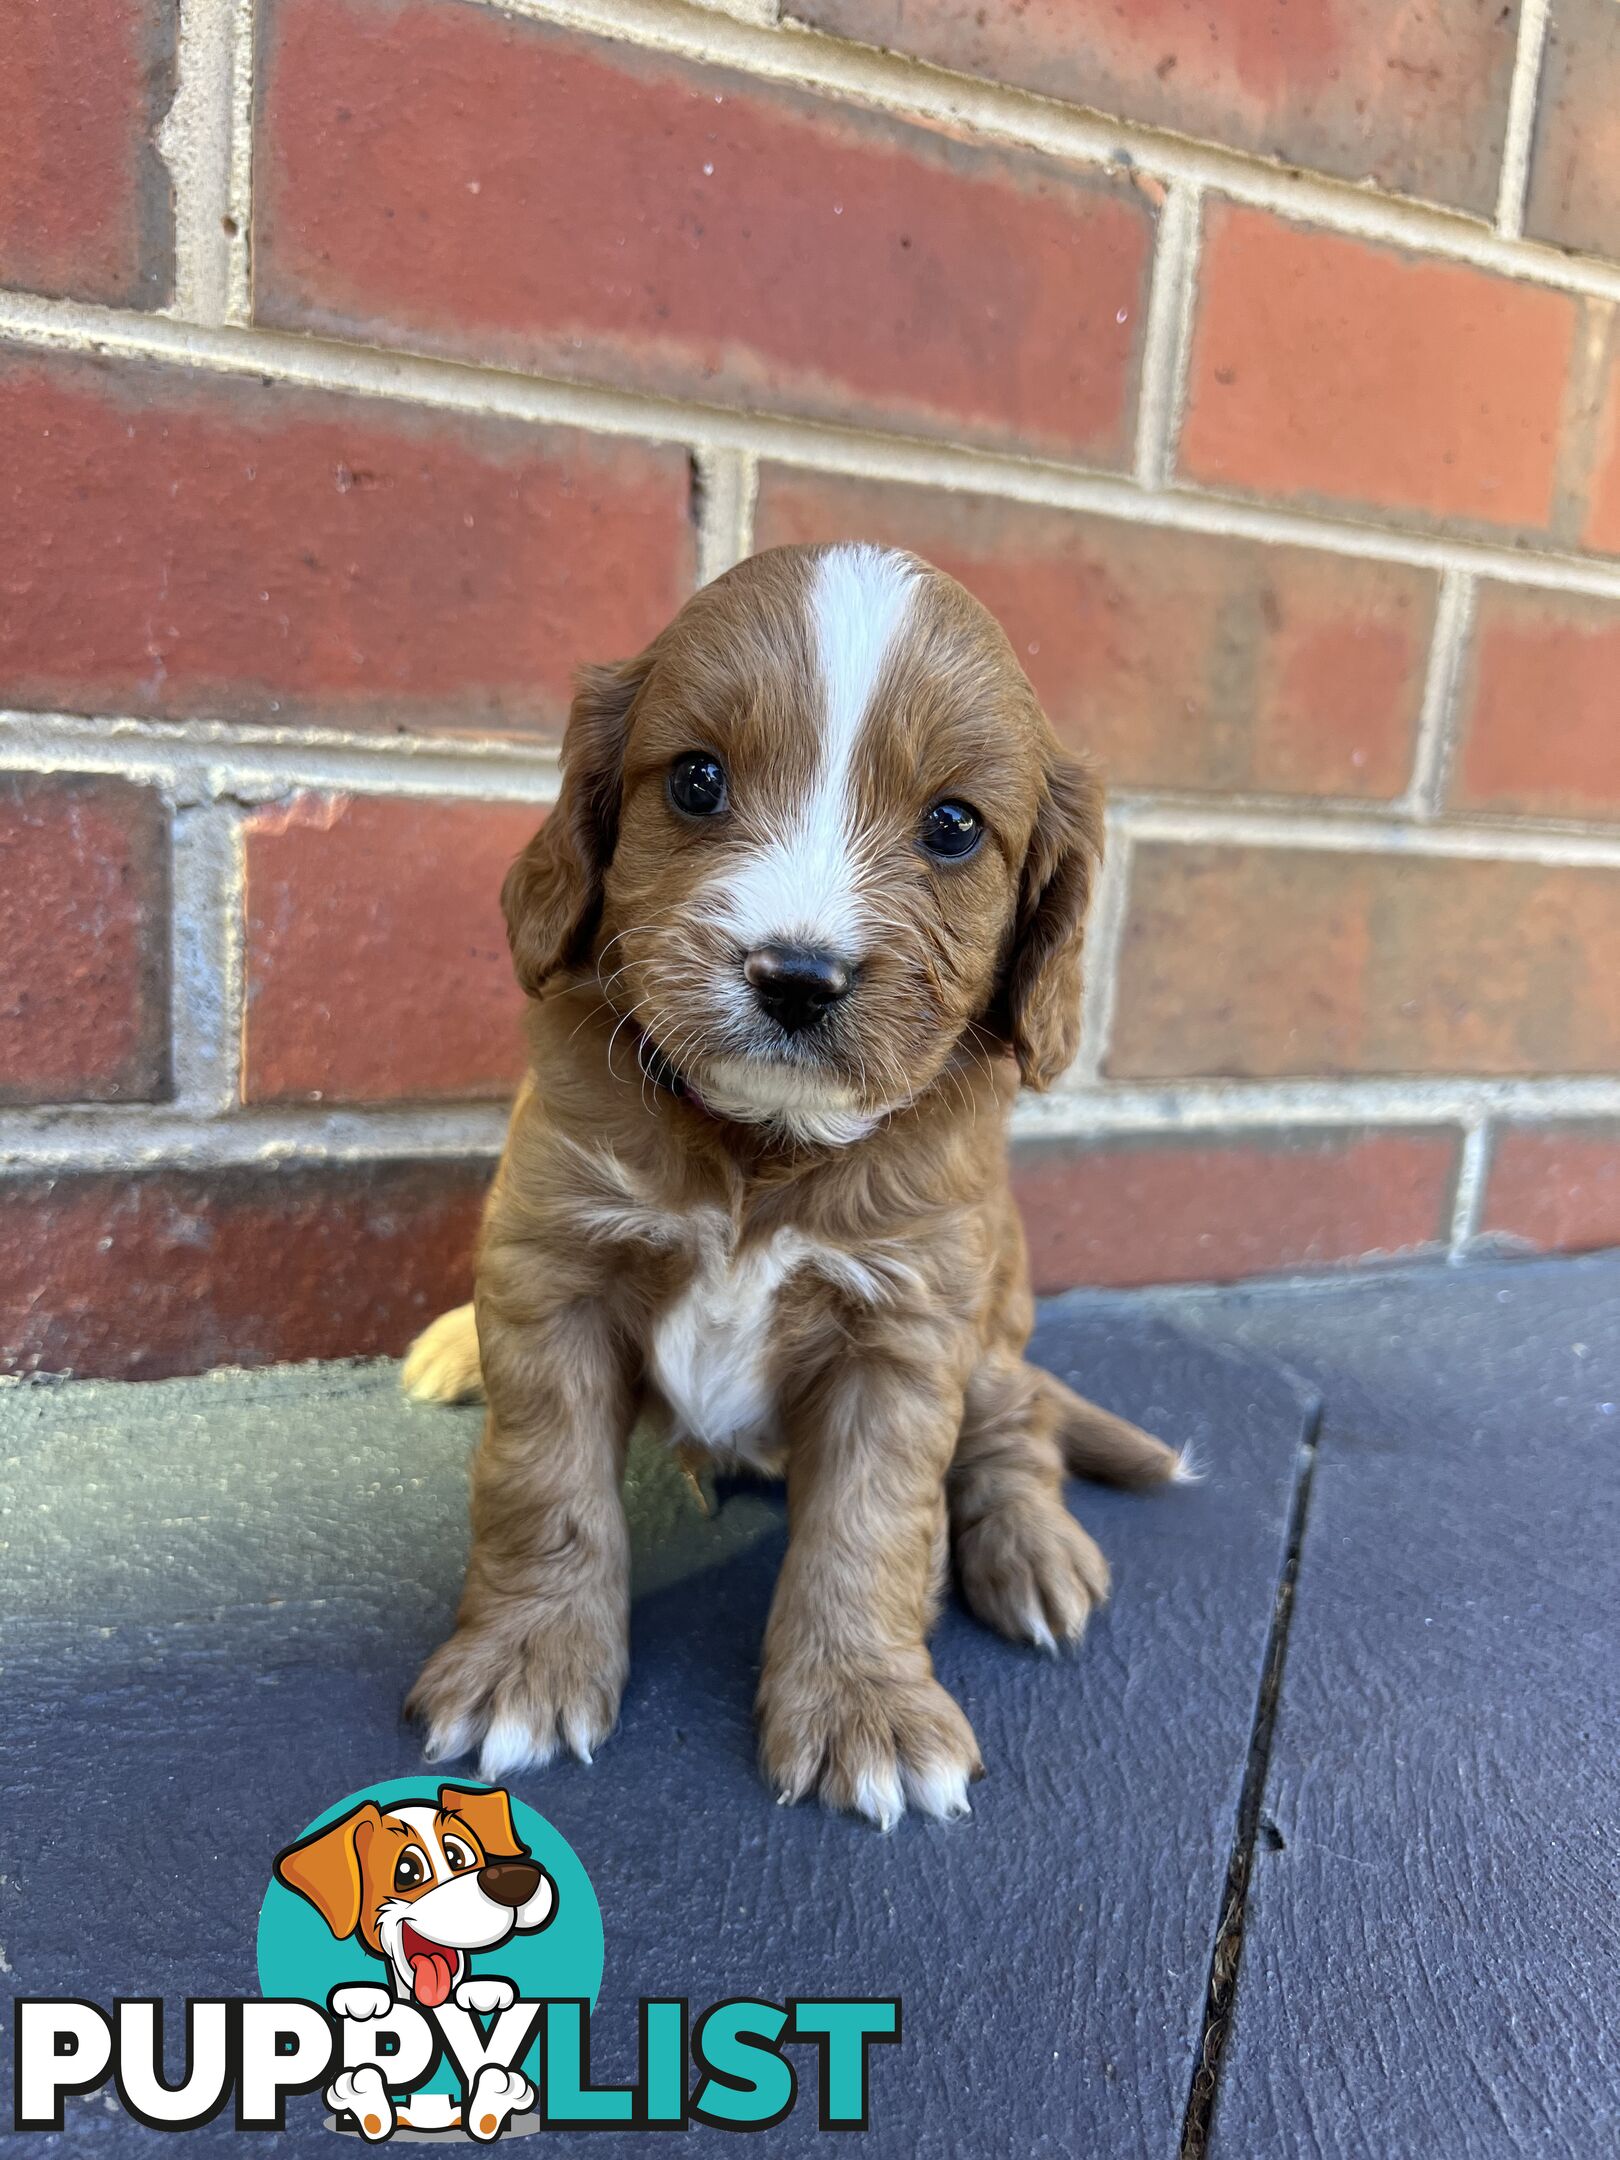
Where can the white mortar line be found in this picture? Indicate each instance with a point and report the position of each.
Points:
(193, 141)
(124, 1137)
(728, 484)
(76, 1138)
(206, 998)
(1448, 651)
(197, 142)
(1167, 347)
(493, 393)
(919, 90)
(1472, 1172)
(239, 207)
(764, 12)
(1303, 826)
(1123, 1108)
(1519, 141)
(199, 761)
(1105, 929)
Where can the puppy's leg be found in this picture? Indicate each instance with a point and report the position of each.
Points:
(848, 1703)
(1025, 1565)
(441, 1366)
(541, 1648)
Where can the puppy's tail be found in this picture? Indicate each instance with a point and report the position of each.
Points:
(1096, 1444)
(441, 1366)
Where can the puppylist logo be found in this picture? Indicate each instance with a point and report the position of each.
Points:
(429, 1956)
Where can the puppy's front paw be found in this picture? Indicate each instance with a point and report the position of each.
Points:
(1028, 1570)
(869, 1742)
(361, 2001)
(497, 2095)
(362, 2094)
(519, 1696)
(485, 1996)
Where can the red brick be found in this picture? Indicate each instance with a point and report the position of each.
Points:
(1218, 1207)
(84, 197)
(377, 965)
(440, 176)
(136, 1276)
(1414, 99)
(1260, 962)
(175, 546)
(84, 938)
(1180, 660)
(1331, 370)
(1574, 198)
(1602, 528)
(1556, 1187)
(1540, 718)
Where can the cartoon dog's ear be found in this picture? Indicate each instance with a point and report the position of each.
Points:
(553, 892)
(325, 1868)
(488, 1815)
(1042, 982)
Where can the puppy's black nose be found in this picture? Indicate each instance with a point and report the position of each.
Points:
(509, 1882)
(795, 983)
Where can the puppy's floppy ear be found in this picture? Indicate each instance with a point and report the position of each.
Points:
(325, 1868)
(488, 1815)
(553, 892)
(1042, 982)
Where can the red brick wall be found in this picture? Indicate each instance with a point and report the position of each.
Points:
(367, 364)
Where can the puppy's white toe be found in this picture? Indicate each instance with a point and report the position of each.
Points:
(485, 1996)
(362, 2094)
(508, 1746)
(445, 1743)
(360, 2001)
(880, 1796)
(939, 1789)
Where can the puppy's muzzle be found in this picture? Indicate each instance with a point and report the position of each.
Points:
(796, 984)
(509, 1882)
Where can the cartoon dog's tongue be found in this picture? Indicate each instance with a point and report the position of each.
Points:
(433, 1967)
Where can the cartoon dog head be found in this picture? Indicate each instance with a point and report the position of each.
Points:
(422, 1887)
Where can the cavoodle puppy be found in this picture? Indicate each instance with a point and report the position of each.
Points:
(807, 914)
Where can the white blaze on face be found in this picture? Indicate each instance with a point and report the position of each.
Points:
(800, 887)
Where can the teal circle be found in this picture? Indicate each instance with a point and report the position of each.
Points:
(300, 1957)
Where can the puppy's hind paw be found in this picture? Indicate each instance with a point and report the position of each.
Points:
(362, 2094)
(1028, 1570)
(442, 1365)
(497, 2096)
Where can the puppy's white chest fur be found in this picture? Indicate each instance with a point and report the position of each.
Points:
(709, 1351)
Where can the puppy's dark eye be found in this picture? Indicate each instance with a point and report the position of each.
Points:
(697, 784)
(458, 1855)
(410, 1870)
(951, 829)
